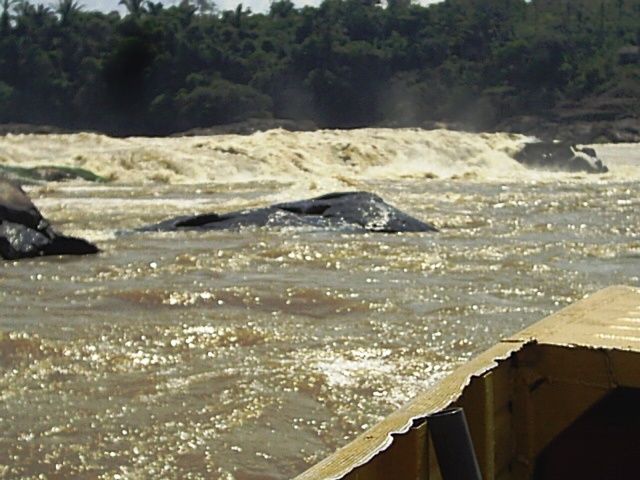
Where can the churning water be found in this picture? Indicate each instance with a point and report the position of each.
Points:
(255, 353)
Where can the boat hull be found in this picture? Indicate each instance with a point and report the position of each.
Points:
(535, 403)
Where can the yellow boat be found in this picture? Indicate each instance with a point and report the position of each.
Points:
(558, 400)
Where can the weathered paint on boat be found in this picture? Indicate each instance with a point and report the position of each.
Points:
(557, 400)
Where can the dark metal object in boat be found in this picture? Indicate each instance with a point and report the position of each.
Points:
(453, 445)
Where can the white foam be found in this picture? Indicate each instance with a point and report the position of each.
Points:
(321, 160)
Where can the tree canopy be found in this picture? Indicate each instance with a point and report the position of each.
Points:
(160, 69)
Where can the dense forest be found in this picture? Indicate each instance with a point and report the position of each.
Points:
(160, 69)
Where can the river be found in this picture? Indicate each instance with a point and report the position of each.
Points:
(253, 354)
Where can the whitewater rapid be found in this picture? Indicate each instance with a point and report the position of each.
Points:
(318, 160)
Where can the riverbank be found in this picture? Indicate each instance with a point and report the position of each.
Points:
(612, 117)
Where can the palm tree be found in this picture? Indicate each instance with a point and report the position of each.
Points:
(153, 8)
(135, 7)
(5, 16)
(67, 9)
(30, 17)
(24, 8)
(205, 7)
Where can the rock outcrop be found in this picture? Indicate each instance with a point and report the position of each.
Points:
(609, 117)
(349, 211)
(561, 156)
(25, 233)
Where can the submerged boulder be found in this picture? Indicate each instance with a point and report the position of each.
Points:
(351, 211)
(25, 233)
(561, 156)
(50, 173)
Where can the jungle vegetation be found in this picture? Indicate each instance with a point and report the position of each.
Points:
(159, 69)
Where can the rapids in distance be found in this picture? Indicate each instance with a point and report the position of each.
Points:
(253, 354)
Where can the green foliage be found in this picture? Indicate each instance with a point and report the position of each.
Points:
(160, 69)
(6, 101)
(218, 101)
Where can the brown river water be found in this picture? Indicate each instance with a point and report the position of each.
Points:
(253, 354)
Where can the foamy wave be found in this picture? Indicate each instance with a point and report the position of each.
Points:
(315, 160)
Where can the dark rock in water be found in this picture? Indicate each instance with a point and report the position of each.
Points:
(25, 233)
(251, 126)
(352, 211)
(31, 129)
(561, 156)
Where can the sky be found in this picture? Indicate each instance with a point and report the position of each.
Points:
(257, 6)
